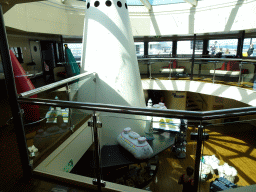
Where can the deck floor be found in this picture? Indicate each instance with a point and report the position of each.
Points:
(233, 144)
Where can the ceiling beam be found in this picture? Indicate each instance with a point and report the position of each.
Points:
(146, 4)
(192, 2)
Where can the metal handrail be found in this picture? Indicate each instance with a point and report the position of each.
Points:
(54, 85)
(202, 59)
(171, 113)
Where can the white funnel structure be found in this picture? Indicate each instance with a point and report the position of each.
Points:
(109, 50)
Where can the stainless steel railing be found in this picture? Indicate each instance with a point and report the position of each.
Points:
(54, 85)
(198, 59)
(171, 113)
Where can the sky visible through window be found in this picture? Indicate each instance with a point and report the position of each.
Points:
(152, 2)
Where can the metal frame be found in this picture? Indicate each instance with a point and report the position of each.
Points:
(172, 113)
(12, 93)
(54, 85)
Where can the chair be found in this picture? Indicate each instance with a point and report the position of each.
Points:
(231, 69)
(172, 68)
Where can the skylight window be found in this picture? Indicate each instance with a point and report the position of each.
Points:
(155, 2)
(152, 2)
(163, 2)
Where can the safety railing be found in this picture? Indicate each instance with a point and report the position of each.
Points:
(104, 135)
(231, 71)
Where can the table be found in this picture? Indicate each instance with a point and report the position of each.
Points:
(118, 165)
(113, 155)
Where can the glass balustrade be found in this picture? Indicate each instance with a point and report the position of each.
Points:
(86, 142)
(225, 71)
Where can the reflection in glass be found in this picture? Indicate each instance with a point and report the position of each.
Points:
(223, 47)
(160, 48)
(186, 47)
(139, 47)
(76, 49)
(248, 47)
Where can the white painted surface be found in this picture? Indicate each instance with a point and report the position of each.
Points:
(223, 72)
(73, 148)
(231, 92)
(109, 51)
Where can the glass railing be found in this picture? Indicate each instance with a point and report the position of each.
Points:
(52, 125)
(107, 142)
(237, 72)
(230, 143)
(131, 145)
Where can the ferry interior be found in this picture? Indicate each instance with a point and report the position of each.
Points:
(123, 95)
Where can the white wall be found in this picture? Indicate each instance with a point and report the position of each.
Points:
(54, 17)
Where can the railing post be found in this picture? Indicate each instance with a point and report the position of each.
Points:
(240, 74)
(193, 57)
(12, 94)
(96, 124)
(198, 156)
(213, 79)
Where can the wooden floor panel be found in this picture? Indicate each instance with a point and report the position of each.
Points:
(229, 143)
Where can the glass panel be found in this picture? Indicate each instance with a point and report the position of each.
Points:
(248, 48)
(54, 127)
(185, 48)
(231, 142)
(163, 48)
(204, 70)
(43, 123)
(1, 69)
(136, 151)
(155, 2)
(134, 2)
(139, 47)
(161, 2)
(227, 47)
(165, 68)
(76, 49)
(247, 75)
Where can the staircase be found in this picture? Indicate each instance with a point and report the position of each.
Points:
(191, 105)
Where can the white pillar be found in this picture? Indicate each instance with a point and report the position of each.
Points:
(109, 50)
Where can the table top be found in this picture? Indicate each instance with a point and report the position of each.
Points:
(114, 155)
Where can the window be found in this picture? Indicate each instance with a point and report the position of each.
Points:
(160, 48)
(186, 47)
(139, 47)
(248, 48)
(223, 47)
(18, 53)
(76, 50)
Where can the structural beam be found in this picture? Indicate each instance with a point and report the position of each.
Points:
(192, 2)
(146, 4)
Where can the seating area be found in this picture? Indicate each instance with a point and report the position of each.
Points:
(231, 68)
(172, 68)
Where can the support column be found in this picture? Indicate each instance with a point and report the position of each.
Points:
(12, 93)
(193, 57)
(174, 48)
(240, 45)
(145, 49)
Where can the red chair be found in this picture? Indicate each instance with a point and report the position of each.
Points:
(233, 66)
(173, 65)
